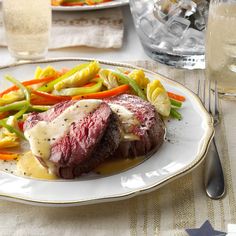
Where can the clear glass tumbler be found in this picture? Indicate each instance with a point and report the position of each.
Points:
(221, 46)
(27, 27)
(172, 31)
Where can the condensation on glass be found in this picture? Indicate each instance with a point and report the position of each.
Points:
(27, 27)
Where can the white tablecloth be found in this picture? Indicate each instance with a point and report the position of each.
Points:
(165, 212)
(168, 211)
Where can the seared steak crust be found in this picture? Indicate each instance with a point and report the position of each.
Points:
(150, 129)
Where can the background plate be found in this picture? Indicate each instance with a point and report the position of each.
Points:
(114, 3)
(187, 144)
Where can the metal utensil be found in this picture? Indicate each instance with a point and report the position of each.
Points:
(214, 177)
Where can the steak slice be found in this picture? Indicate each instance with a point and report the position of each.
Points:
(107, 145)
(87, 142)
(149, 129)
(48, 115)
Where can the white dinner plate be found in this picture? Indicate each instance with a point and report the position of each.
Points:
(114, 3)
(185, 147)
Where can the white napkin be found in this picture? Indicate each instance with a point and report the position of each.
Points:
(100, 29)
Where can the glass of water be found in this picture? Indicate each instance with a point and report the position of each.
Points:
(221, 46)
(27, 27)
(172, 31)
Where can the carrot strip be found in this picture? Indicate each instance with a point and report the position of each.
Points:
(8, 156)
(27, 83)
(176, 96)
(56, 97)
(43, 101)
(70, 4)
(4, 115)
(89, 84)
(21, 125)
(104, 94)
(50, 96)
(44, 98)
(92, 2)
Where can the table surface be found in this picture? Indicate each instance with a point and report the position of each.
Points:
(167, 211)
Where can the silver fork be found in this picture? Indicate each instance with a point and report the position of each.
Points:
(214, 177)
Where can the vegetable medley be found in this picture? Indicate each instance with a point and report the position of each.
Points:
(85, 81)
(77, 2)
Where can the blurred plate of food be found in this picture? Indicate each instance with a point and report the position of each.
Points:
(86, 5)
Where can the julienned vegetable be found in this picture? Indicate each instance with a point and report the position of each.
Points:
(49, 96)
(27, 83)
(38, 108)
(136, 79)
(158, 97)
(11, 97)
(80, 77)
(108, 78)
(24, 91)
(50, 86)
(16, 106)
(7, 138)
(175, 114)
(80, 90)
(46, 72)
(20, 86)
(3, 115)
(176, 96)
(139, 77)
(175, 103)
(124, 79)
(71, 3)
(11, 129)
(8, 156)
(104, 94)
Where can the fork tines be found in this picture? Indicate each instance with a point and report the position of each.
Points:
(208, 93)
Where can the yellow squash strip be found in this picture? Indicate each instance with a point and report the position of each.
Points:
(139, 77)
(157, 96)
(79, 78)
(80, 90)
(11, 97)
(108, 79)
(46, 72)
(9, 139)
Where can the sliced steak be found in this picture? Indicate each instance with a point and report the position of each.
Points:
(107, 144)
(87, 142)
(93, 133)
(48, 115)
(149, 129)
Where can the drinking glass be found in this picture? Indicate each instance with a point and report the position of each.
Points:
(172, 31)
(27, 26)
(221, 46)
